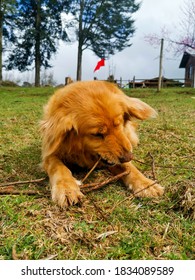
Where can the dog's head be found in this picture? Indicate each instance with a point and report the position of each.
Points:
(95, 119)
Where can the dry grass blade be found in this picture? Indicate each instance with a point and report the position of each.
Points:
(166, 230)
(105, 234)
(51, 257)
(14, 254)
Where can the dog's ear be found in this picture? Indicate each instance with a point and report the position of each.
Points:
(138, 109)
(54, 130)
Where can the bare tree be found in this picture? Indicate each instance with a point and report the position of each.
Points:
(184, 38)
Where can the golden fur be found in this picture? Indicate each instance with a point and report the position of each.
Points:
(87, 120)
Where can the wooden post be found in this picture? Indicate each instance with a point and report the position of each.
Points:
(160, 66)
(133, 81)
(121, 82)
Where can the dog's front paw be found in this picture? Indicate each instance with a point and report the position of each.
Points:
(147, 188)
(66, 193)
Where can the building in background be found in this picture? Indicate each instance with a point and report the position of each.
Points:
(188, 62)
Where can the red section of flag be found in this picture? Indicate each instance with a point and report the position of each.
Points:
(100, 64)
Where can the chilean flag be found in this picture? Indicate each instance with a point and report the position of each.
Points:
(100, 64)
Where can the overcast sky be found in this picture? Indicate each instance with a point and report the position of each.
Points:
(140, 60)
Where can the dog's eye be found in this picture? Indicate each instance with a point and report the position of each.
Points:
(98, 135)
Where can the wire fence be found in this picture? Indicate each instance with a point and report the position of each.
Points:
(152, 83)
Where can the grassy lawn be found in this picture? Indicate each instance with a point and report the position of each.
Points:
(109, 224)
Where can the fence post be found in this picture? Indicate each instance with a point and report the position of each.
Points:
(160, 65)
(121, 82)
(133, 81)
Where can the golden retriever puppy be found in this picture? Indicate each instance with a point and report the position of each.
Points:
(85, 121)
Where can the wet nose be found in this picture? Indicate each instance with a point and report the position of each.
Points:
(126, 157)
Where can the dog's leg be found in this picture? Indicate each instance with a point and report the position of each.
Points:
(137, 182)
(65, 189)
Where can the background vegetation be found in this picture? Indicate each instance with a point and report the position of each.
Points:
(110, 223)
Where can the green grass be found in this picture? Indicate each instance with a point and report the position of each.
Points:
(33, 227)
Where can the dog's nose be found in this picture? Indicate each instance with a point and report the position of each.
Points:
(126, 157)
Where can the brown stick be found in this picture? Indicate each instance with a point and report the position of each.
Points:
(12, 190)
(101, 184)
(134, 194)
(22, 182)
(90, 187)
(153, 166)
(42, 179)
(165, 166)
(91, 170)
(93, 184)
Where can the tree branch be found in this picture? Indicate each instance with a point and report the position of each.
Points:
(22, 182)
(10, 189)
(95, 186)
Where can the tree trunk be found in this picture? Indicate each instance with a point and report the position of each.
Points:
(79, 63)
(1, 40)
(80, 42)
(37, 45)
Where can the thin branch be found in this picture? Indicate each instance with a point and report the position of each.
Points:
(91, 170)
(153, 166)
(85, 188)
(95, 165)
(101, 212)
(22, 182)
(96, 186)
(13, 191)
(132, 196)
(165, 166)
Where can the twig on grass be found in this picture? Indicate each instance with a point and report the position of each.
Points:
(22, 182)
(85, 188)
(165, 166)
(15, 191)
(130, 197)
(91, 170)
(95, 186)
(8, 188)
(101, 212)
(153, 166)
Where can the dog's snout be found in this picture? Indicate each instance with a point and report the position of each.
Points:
(126, 157)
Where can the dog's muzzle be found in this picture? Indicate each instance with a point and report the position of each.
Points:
(126, 157)
(108, 162)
